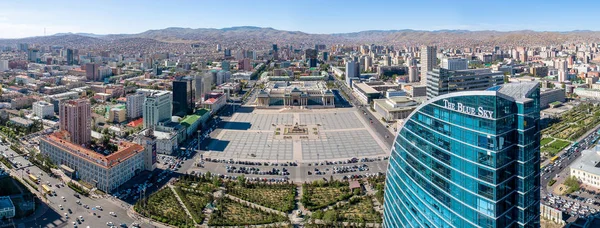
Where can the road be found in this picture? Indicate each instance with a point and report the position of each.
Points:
(379, 127)
(559, 169)
(54, 216)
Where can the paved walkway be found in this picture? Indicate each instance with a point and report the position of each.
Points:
(250, 204)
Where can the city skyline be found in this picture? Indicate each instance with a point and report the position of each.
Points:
(37, 18)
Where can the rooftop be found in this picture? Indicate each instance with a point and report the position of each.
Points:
(516, 90)
(365, 88)
(125, 151)
(589, 161)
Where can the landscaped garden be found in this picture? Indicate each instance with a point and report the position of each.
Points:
(378, 183)
(319, 194)
(163, 206)
(574, 123)
(231, 213)
(195, 202)
(275, 196)
(358, 210)
(553, 148)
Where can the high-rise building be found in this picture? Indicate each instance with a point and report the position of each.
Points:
(244, 65)
(441, 81)
(227, 52)
(202, 84)
(563, 70)
(387, 60)
(76, 118)
(23, 47)
(368, 63)
(135, 105)
(351, 71)
(218, 47)
(33, 55)
(428, 61)
(157, 108)
(91, 71)
(468, 159)
(413, 75)
(325, 56)
(70, 56)
(455, 64)
(183, 97)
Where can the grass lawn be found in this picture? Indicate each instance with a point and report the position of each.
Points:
(280, 197)
(231, 213)
(553, 148)
(164, 207)
(545, 141)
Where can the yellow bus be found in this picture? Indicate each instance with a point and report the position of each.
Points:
(33, 178)
(553, 159)
(47, 189)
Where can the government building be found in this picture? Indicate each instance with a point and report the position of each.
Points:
(468, 159)
(281, 94)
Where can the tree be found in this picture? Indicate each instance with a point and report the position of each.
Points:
(330, 216)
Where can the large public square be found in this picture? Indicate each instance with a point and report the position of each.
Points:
(336, 134)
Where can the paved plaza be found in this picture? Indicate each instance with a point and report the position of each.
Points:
(342, 134)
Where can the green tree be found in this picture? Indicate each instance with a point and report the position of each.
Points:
(330, 216)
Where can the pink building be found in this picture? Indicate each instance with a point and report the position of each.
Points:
(75, 118)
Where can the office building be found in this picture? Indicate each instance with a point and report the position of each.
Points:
(244, 65)
(428, 61)
(394, 108)
(157, 108)
(43, 109)
(104, 171)
(23, 47)
(549, 96)
(202, 84)
(75, 119)
(135, 105)
(69, 56)
(455, 64)
(91, 71)
(183, 97)
(468, 159)
(441, 81)
(352, 71)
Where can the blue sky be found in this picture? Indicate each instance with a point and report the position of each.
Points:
(30, 17)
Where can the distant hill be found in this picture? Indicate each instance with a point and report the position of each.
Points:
(249, 35)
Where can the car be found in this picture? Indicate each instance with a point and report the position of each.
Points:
(81, 218)
(123, 225)
(113, 214)
(60, 206)
(99, 207)
(66, 215)
(110, 224)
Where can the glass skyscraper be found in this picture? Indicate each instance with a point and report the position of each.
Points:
(468, 159)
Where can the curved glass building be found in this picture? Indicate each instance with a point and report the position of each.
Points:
(468, 159)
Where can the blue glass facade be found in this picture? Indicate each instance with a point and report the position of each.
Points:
(468, 159)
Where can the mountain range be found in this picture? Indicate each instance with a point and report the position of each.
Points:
(245, 35)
